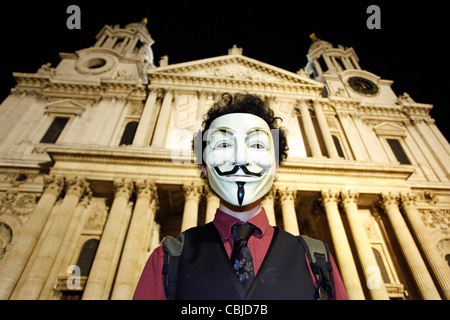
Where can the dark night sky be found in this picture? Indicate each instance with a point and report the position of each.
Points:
(410, 48)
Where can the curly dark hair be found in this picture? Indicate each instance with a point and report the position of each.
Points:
(242, 103)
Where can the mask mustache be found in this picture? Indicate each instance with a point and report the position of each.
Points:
(236, 169)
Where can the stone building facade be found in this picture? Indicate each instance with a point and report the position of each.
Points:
(96, 167)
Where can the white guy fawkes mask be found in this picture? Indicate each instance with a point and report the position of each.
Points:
(240, 158)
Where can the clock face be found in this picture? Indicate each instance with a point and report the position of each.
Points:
(363, 85)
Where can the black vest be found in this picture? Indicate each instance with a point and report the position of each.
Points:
(206, 272)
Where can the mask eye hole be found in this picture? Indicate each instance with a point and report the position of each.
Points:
(257, 146)
(223, 145)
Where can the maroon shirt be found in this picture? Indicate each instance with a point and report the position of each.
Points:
(151, 287)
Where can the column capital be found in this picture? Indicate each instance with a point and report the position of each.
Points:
(145, 189)
(407, 199)
(203, 92)
(349, 196)
(287, 194)
(84, 202)
(303, 101)
(77, 186)
(329, 195)
(192, 191)
(168, 91)
(156, 91)
(389, 198)
(53, 184)
(123, 187)
(209, 193)
(270, 195)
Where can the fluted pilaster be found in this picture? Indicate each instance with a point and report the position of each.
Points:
(310, 133)
(344, 255)
(422, 277)
(36, 277)
(106, 258)
(136, 244)
(14, 262)
(159, 138)
(369, 264)
(438, 266)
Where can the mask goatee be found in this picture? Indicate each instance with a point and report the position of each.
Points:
(240, 192)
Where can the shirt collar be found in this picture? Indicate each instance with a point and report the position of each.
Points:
(224, 222)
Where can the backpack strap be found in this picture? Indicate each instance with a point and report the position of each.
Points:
(173, 247)
(319, 259)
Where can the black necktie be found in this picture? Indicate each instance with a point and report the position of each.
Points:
(241, 257)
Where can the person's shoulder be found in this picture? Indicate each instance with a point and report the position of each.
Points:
(285, 234)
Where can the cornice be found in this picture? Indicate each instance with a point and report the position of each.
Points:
(105, 163)
(160, 157)
(417, 111)
(47, 86)
(234, 59)
(162, 80)
(233, 72)
(345, 168)
(381, 112)
(116, 155)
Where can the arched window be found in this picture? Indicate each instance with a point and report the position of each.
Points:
(338, 146)
(381, 265)
(128, 133)
(87, 255)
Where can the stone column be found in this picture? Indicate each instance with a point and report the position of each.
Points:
(438, 266)
(413, 258)
(105, 263)
(14, 262)
(311, 136)
(68, 246)
(287, 199)
(135, 246)
(371, 270)
(192, 198)
(159, 138)
(329, 144)
(212, 204)
(344, 255)
(268, 205)
(201, 109)
(144, 129)
(37, 275)
(154, 240)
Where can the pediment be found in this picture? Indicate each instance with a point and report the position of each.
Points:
(235, 68)
(389, 129)
(66, 106)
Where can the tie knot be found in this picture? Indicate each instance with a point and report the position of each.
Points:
(242, 232)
